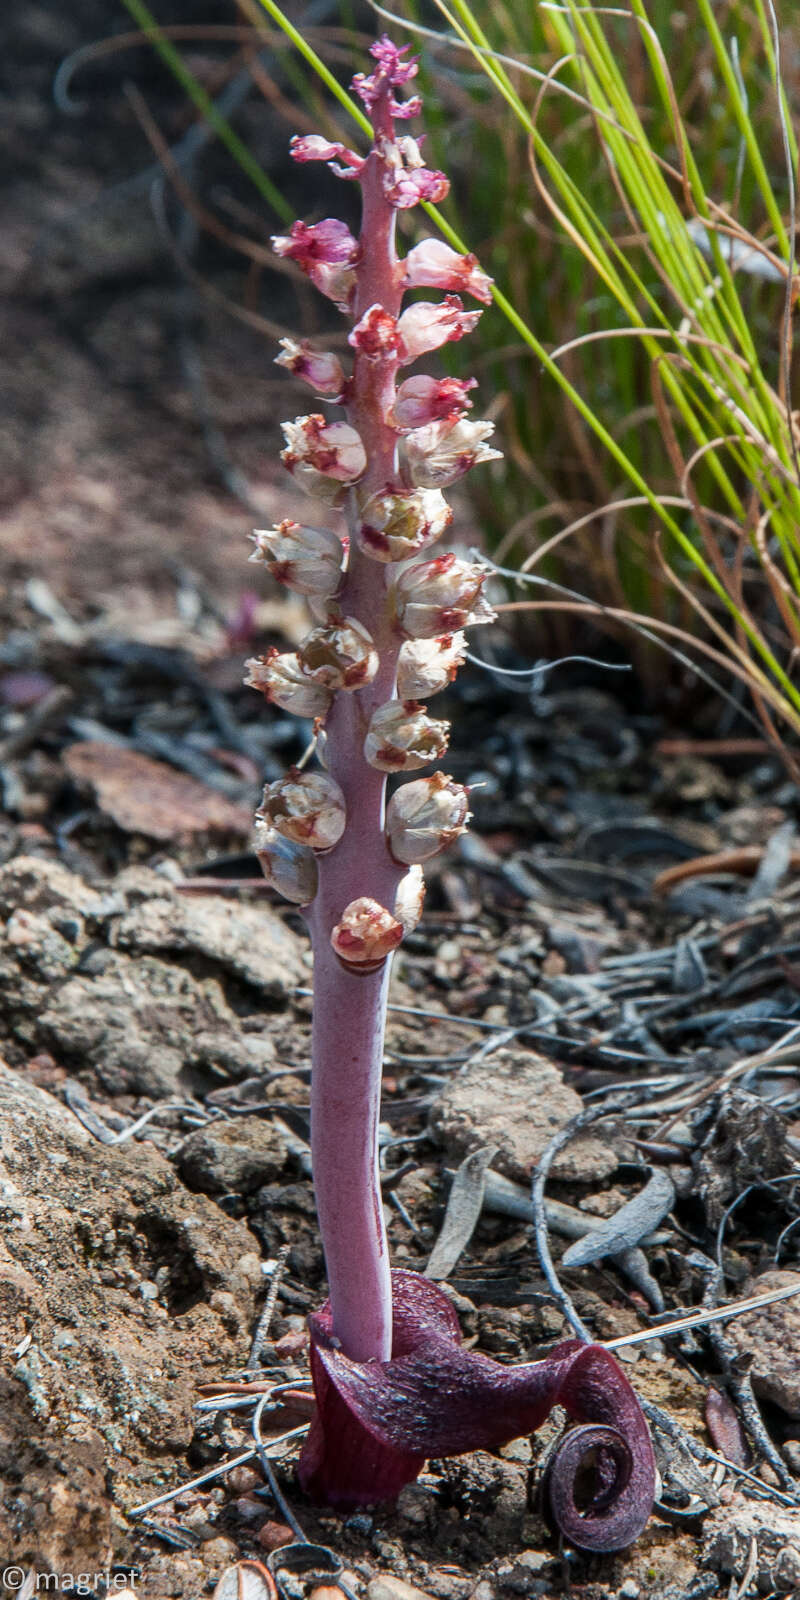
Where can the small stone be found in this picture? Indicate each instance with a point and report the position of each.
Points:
(516, 1099)
(235, 1158)
(389, 1588)
(273, 1535)
(630, 1590)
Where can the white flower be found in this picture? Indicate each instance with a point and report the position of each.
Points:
(395, 525)
(438, 596)
(284, 680)
(340, 655)
(321, 369)
(426, 666)
(325, 458)
(433, 265)
(307, 807)
(423, 399)
(365, 935)
(307, 560)
(443, 451)
(410, 898)
(290, 868)
(401, 737)
(424, 817)
(426, 326)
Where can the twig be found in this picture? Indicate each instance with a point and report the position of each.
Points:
(551, 1150)
(262, 1326)
(217, 1472)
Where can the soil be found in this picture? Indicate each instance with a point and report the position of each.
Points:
(154, 998)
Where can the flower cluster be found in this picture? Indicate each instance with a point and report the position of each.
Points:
(387, 468)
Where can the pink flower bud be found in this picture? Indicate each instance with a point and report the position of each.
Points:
(326, 252)
(423, 399)
(439, 596)
(375, 336)
(426, 666)
(433, 265)
(410, 898)
(406, 180)
(340, 655)
(322, 370)
(391, 71)
(307, 807)
(307, 560)
(426, 326)
(284, 680)
(443, 451)
(323, 457)
(394, 525)
(401, 737)
(290, 868)
(365, 935)
(424, 817)
(312, 147)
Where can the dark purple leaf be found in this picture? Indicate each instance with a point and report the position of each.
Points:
(377, 1423)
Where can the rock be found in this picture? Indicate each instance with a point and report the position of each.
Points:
(145, 1023)
(249, 941)
(770, 1341)
(516, 1100)
(95, 1374)
(232, 1157)
(728, 1534)
(151, 798)
(147, 1027)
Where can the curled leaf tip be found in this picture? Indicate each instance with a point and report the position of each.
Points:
(377, 1423)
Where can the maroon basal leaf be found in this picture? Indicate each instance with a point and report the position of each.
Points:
(377, 1423)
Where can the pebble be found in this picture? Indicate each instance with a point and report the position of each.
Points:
(273, 1535)
(389, 1588)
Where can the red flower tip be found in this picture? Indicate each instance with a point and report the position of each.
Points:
(376, 1423)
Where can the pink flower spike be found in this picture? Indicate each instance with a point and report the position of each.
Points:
(391, 72)
(423, 399)
(425, 326)
(375, 336)
(321, 369)
(443, 451)
(365, 935)
(434, 597)
(401, 737)
(433, 265)
(312, 147)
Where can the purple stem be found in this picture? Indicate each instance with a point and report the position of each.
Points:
(350, 1009)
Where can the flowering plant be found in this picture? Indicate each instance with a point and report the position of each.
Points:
(392, 1383)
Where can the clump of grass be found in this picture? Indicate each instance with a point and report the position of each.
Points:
(672, 204)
